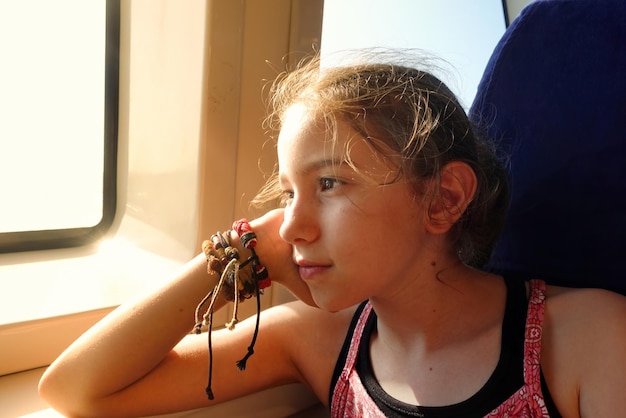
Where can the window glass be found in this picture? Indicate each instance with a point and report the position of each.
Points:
(461, 33)
(58, 121)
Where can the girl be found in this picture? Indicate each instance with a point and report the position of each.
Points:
(391, 203)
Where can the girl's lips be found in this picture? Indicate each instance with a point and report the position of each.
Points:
(308, 272)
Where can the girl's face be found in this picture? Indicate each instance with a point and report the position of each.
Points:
(355, 234)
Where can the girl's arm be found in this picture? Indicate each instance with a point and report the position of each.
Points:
(584, 351)
(131, 363)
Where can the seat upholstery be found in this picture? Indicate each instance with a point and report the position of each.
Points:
(553, 96)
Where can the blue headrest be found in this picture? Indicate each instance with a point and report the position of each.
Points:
(553, 96)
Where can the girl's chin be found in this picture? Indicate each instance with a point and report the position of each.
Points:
(330, 303)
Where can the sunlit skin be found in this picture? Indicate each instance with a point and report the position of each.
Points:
(355, 238)
(358, 238)
(349, 233)
(346, 234)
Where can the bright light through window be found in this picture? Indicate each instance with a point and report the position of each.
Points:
(52, 106)
(463, 33)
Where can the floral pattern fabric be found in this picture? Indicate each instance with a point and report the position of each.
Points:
(351, 400)
(528, 402)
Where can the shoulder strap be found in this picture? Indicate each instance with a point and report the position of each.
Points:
(534, 329)
(353, 351)
(339, 391)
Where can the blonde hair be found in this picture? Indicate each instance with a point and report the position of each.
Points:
(410, 117)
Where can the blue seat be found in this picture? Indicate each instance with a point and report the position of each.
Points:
(553, 96)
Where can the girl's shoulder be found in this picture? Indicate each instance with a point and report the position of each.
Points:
(592, 317)
(566, 304)
(312, 338)
(301, 328)
(584, 349)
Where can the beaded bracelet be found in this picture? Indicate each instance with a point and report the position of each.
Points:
(235, 284)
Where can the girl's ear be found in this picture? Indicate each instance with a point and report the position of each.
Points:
(455, 192)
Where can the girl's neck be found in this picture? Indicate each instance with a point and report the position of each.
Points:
(418, 348)
(431, 313)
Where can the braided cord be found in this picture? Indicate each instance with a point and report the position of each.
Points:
(223, 259)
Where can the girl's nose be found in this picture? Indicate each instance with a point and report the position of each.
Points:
(299, 224)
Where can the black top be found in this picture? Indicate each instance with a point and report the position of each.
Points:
(507, 378)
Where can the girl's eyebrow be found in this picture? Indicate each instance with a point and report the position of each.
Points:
(313, 166)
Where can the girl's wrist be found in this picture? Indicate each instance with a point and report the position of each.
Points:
(239, 279)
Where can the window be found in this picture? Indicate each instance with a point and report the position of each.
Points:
(461, 33)
(58, 121)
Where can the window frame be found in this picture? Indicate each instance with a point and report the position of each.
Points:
(74, 237)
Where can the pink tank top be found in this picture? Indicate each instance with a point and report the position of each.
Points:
(351, 400)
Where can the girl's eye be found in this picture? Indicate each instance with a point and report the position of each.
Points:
(327, 183)
(286, 197)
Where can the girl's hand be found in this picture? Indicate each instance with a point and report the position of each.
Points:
(276, 255)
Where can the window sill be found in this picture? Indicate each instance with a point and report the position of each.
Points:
(54, 296)
(19, 398)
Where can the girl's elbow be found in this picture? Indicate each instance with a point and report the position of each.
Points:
(62, 398)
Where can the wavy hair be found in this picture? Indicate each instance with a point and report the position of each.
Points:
(411, 117)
